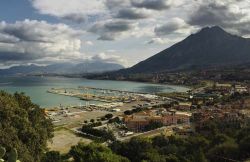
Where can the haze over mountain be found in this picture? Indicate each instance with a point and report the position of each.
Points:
(63, 68)
(212, 46)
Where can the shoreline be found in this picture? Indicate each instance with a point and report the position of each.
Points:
(132, 81)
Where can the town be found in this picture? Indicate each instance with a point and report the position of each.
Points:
(123, 115)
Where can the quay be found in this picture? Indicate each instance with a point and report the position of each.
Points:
(110, 90)
(101, 94)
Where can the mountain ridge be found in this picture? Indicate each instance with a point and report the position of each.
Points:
(62, 68)
(211, 46)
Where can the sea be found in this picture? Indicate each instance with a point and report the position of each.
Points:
(36, 87)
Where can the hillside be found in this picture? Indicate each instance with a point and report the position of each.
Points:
(212, 46)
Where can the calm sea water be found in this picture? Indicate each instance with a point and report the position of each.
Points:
(36, 88)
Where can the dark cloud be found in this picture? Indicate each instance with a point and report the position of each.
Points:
(214, 14)
(24, 35)
(76, 18)
(117, 4)
(170, 27)
(117, 26)
(151, 4)
(107, 37)
(109, 30)
(227, 15)
(15, 56)
(132, 14)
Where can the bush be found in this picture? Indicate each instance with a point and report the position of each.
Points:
(109, 116)
(52, 156)
(153, 125)
(128, 112)
(94, 153)
(115, 120)
(106, 135)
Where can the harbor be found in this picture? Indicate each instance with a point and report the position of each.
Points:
(102, 95)
(111, 101)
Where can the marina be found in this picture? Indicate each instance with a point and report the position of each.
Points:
(37, 87)
(101, 95)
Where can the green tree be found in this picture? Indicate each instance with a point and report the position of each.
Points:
(24, 126)
(109, 116)
(52, 156)
(245, 147)
(94, 153)
(223, 152)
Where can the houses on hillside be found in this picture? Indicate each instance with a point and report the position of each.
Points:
(138, 121)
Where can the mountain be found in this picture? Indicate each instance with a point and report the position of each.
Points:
(210, 47)
(63, 68)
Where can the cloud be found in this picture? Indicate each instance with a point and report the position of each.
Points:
(158, 41)
(90, 43)
(215, 13)
(175, 25)
(151, 4)
(77, 18)
(32, 40)
(108, 58)
(133, 13)
(117, 4)
(231, 15)
(74, 10)
(111, 29)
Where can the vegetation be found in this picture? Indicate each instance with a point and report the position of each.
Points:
(212, 145)
(101, 133)
(109, 116)
(12, 155)
(23, 126)
(196, 148)
(94, 153)
(153, 125)
(115, 120)
(52, 156)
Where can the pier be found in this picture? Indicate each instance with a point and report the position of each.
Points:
(99, 94)
(110, 90)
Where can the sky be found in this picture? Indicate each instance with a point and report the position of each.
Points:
(44, 32)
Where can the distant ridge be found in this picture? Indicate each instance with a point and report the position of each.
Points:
(62, 68)
(211, 46)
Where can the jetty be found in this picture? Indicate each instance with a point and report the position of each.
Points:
(110, 90)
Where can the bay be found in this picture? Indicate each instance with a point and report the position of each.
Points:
(36, 88)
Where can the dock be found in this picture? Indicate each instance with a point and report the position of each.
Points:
(110, 90)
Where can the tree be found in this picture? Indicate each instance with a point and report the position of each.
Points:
(24, 126)
(115, 120)
(160, 141)
(224, 151)
(153, 125)
(200, 156)
(109, 116)
(137, 149)
(92, 120)
(128, 112)
(172, 158)
(94, 153)
(245, 147)
(52, 156)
